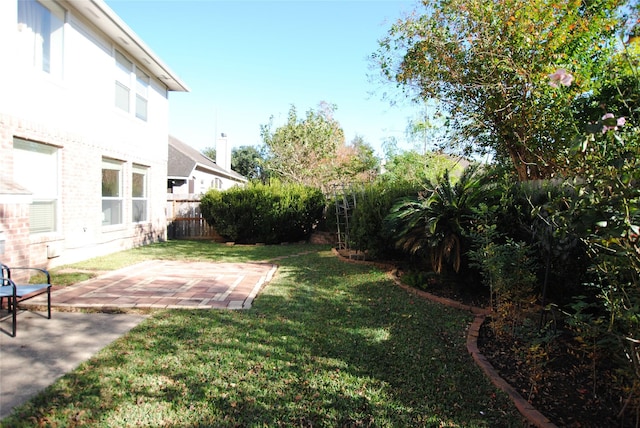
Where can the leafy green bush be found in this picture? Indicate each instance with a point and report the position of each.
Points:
(507, 268)
(270, 214)
(607, 217)
(419, 279)
(366, 227)
(537, 212)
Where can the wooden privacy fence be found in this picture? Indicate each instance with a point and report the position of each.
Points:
(185, 221)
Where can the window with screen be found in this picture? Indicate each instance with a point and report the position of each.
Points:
(35, 167)
(142, 93)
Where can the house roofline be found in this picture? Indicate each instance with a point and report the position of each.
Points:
(221, 171)
(105, 19)
(197, 159)
(235, 177)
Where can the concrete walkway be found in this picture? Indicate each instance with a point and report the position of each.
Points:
(44, 350)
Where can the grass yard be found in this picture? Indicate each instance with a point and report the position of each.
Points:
(326, 344)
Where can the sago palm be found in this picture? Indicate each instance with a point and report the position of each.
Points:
(433, 222)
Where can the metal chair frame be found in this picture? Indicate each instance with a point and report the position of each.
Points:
(13, 291)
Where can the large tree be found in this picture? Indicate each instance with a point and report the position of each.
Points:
(355, 162)
(312, 150)
(248, 161)
(488, 63)
(299, 150)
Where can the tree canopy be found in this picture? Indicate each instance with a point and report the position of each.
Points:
(210, 152)
(299, 150)
(488, 63)
(248, 161)
(420, 168)
(312, 150)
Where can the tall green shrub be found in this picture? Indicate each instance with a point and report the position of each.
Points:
(607, 215)
(268, 213)
(507, 267)
(373, 204)
(537, 212)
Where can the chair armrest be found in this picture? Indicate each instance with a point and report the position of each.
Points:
(44, 271)
(6, 285)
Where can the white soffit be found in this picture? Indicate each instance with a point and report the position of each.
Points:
(106, 20)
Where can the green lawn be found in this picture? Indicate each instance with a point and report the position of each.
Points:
(326, 344)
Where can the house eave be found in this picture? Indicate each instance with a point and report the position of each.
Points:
(220, 172)
(105, 19)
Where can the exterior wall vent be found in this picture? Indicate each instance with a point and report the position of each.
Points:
(54, 250)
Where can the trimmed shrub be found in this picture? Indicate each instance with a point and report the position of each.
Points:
(270, 214)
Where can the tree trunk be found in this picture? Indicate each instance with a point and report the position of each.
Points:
(527, 169)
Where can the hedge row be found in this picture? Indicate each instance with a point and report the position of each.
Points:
(259, 213)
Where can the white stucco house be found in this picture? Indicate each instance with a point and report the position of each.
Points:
(84, 125)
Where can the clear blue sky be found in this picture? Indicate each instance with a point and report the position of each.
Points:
(246, 61)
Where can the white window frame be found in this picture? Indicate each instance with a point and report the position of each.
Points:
(139, 196)
(41, 35)
(31, 162)
(112, 199)
(124, 68)
(142, 94)
(131, 87)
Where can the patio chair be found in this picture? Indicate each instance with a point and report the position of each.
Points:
(16, 293)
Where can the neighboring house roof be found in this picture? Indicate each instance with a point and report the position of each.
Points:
(183, 159)
(105, 19)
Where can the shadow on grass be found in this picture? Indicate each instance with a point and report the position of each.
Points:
(326, 344)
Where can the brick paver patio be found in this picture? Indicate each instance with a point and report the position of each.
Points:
(166, 284)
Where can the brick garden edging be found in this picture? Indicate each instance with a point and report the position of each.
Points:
(533, 416)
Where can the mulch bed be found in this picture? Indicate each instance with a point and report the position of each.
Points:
(566, 390)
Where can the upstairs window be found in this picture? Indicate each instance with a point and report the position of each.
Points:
(31, 162)
(111, 192)
(139, 194)
(132, 87)
(124, 68)
(142, 93)
(40, 27)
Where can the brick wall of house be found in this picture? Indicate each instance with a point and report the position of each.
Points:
(80, 233)
(15, 227)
